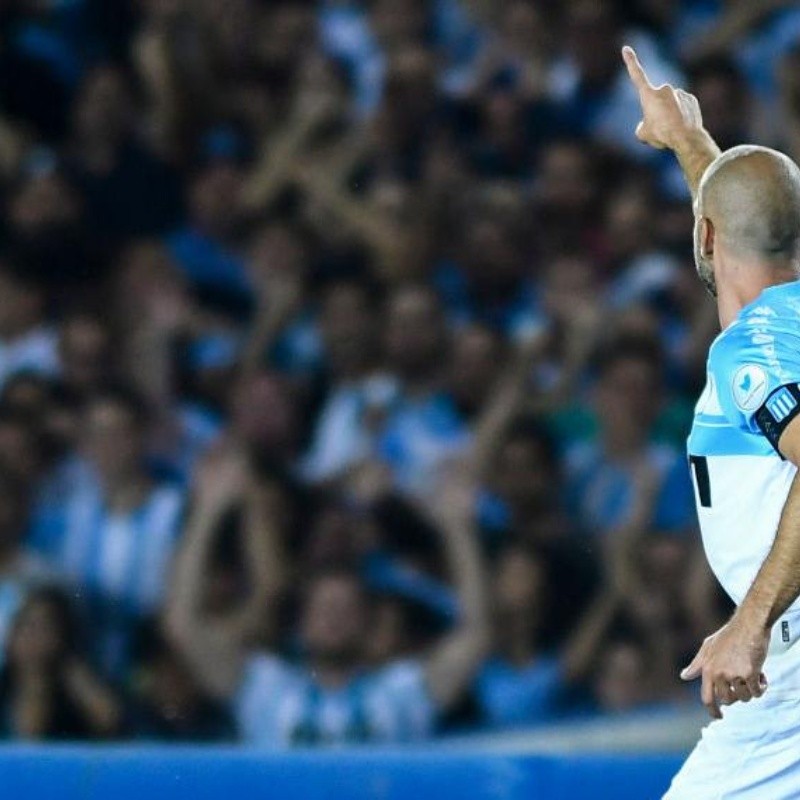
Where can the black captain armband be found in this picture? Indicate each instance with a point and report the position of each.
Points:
(779, 409)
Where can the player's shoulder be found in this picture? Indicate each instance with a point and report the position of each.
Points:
(758, 353)
(765, 332)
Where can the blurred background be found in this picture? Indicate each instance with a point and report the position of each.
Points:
(347, 354)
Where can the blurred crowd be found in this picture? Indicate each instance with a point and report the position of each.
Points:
(347, 353)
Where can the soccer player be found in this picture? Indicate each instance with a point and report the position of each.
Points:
(744, 450)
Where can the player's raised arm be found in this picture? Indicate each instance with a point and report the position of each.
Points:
(671, 119)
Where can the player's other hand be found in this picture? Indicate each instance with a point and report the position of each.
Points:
(730, 662)
(670, 116)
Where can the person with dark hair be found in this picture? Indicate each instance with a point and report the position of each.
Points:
(524, 682)
(126, 186)
(20, 572)
(330, 696)
(27, 342)
(602, 472)
(356, 390)
(422, 427)
(47, 689)
(168, 703)
(107, 527)
(722, 90)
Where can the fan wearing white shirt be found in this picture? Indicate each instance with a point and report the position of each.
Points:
(331, 695)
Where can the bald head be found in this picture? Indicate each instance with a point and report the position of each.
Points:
(752, 196)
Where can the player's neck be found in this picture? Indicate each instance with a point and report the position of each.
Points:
(748, 285)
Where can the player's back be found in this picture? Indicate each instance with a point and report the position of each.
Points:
(741, 480)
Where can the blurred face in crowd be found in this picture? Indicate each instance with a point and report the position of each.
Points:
(322, 85)
(628, 399)
(410, 91)
(493, 258)
(788, 74)
(622, 681)
(523, 475)
(20, 448)
(566, 182)
(334, 620)
(336, 537)
(233, 23)
(114, 439)
(148, 283)
(593, 39)
(287, 29)
(726, 105)
(524, 29)
(62, 426)
(502, 121)
(21, 305)
(27, 394)
(415, 334)
(103, 110)
(12, 514)
(85, 347)
(277, 252)
(399, 21)
(475, 363)
(162, 10)
(569, 282)
(629, 225)
(37, 637)
(214, 196)
(348, 329)
(664, 562)
(264, 415)
(44, 202)
(518, 593)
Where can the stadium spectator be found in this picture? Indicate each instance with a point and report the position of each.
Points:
(357, 248)
(47, 690)
(327, 697)
(108, 528)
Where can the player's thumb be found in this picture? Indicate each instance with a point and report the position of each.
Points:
(693, 670)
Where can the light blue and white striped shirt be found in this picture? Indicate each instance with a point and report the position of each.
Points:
(117, 563)
(280, 705)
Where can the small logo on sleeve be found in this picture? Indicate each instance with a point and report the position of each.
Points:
(749, 387)
(781, 404)
(785, 631)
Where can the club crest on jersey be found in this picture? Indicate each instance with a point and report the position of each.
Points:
(749, 387)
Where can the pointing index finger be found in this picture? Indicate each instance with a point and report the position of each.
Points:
(635, 69)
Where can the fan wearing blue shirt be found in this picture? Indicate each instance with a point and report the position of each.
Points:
(601, 473)
(522, 683)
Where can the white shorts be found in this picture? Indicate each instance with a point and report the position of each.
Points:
(753, 752)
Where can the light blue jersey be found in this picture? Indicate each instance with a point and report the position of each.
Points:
(741, 480)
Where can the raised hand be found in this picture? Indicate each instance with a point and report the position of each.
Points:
(670, 116)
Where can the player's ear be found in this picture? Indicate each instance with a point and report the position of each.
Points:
(707, 234)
